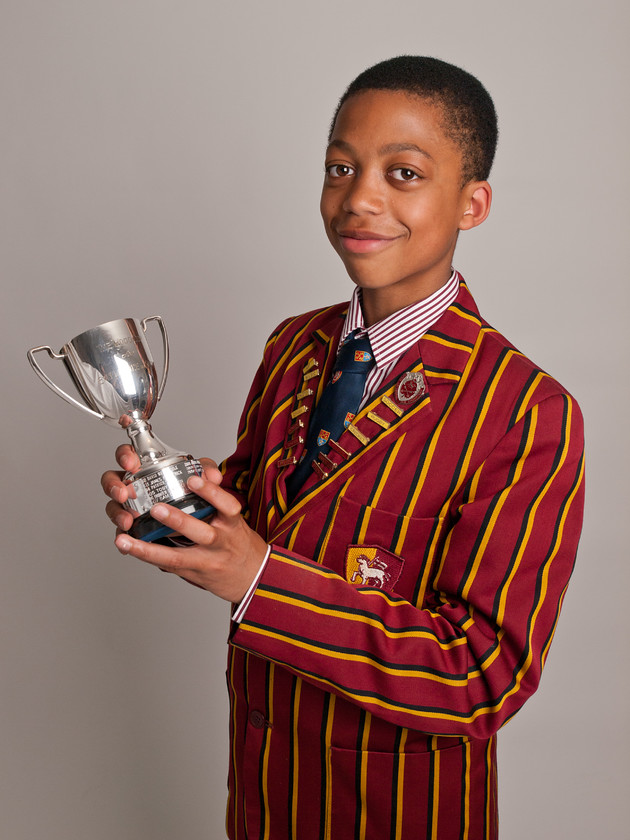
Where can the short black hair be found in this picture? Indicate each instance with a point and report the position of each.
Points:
(468, 113)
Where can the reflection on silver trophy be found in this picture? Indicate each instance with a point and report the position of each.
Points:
(114, 373)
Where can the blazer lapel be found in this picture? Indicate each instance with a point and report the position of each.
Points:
(313, 374)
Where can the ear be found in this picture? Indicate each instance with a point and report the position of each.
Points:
(477, 201)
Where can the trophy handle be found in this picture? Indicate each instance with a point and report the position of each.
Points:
(157, 318)
(48, 381)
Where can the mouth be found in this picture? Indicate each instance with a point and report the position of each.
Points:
(364, 241)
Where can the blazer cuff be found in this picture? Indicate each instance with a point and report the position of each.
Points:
(239, 612)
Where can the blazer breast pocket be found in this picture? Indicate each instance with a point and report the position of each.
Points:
(416, 541)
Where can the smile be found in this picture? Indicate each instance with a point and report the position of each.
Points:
(363, 241)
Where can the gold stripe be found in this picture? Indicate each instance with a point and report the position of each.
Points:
(456, 345)
(235, 773)
(364, 439)
(490, 784)
(296, 758)
(364, 769)
(388, 469)
(436, 788)
(467, 792)
(392, 405)
(265, 772)
(530, 391)
(294, 534)
(376, 419)
(400, 781)
(329, 723)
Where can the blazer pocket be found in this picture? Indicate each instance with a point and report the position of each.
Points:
(417, 541)
(387, 788)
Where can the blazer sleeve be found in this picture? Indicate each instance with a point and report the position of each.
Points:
(465, 660)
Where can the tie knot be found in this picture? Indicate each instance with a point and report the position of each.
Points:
(355, 356)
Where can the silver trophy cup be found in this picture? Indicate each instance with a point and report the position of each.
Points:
(115, 376)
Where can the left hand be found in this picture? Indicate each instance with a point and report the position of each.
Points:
(226, 554)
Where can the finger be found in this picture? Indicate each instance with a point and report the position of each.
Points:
(113, 486)
(123, 519)
(166, 558)
(127, 458)
(196, 530)
(223, 501)
(211, 471)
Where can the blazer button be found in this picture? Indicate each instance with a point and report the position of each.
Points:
(257, 719)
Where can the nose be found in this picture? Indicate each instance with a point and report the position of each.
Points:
(365, 194)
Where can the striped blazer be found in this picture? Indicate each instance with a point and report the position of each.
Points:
(413, 586)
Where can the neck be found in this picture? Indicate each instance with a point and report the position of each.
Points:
(378, 304)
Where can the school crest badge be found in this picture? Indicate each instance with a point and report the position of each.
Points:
(336, 376)
(362, 356)
(371, 565)
(411, 387)
(348, 419)
(322, 437)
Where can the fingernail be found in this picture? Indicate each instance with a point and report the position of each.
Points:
(195, 483)
(123, 543)
(160, 512)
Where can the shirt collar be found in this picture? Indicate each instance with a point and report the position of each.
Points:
(392, 336)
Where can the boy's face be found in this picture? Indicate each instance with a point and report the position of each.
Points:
(392, 200)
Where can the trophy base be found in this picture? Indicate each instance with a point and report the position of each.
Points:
(148, 529)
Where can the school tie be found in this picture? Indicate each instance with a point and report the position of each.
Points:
(337, 406)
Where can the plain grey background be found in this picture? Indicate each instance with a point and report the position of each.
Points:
(166, 157)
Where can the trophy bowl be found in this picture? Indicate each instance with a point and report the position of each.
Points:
(115, 376)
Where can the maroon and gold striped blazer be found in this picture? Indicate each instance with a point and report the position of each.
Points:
(413, 586)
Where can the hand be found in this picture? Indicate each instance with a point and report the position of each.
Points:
(226, 554)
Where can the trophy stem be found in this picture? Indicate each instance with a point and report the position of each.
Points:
(147, 446)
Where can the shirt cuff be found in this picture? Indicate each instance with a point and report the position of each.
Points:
(242, 607)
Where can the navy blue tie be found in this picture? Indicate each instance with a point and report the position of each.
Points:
(337, 407)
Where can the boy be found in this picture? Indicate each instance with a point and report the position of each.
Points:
(397, 586)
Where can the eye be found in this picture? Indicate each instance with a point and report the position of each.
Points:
(401, 173)
(339, 170)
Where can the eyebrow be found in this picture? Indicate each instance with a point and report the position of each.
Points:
(390, 148)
